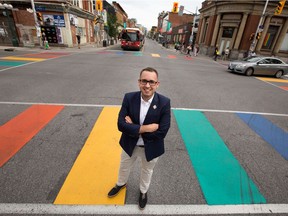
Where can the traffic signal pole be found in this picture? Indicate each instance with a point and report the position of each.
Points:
(34, 12)
(36, 22)
(253, 44)
(193, 27)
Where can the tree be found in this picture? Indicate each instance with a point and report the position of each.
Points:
(112, 25)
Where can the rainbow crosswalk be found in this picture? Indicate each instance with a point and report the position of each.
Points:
(16, 61)
(280, 83)
(221, 177)
(139, 53)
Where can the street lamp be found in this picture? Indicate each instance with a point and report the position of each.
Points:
(7, 12)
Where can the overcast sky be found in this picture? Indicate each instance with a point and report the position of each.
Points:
(146, 11)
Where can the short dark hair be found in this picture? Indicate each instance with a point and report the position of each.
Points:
(150, 69)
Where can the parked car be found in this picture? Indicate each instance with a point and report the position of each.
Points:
(256, 65)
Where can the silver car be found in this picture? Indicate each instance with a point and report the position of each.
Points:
(256, 65)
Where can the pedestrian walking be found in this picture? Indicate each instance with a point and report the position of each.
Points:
(45, 41)
(144, 120)
(226, 53)
(46, 44)
(78, 36)
(196, 50)
(216, 53)
(43, 38)
(189, 48)
(177, 46)
(183, 48)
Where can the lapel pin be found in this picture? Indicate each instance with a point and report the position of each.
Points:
(154, 107)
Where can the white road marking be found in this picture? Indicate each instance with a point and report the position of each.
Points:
(13, 208)
(107, 105)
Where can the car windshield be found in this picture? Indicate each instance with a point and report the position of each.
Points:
(252, 59)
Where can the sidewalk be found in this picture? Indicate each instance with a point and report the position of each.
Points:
(199, 56)
(219, 60)
(84, 47)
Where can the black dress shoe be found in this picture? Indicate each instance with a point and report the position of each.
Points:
(115, 190)
(142, 200)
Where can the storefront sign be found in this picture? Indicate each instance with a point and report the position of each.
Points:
(54, 20)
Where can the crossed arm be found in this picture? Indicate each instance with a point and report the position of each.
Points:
(144, 128)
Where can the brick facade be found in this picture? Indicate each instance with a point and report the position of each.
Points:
(231, 24)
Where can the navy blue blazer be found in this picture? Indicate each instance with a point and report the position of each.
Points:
(159, 112)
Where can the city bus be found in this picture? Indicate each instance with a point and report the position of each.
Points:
(131, 39)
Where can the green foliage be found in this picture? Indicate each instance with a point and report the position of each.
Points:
(112, 25)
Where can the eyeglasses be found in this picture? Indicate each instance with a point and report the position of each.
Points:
(151, 82)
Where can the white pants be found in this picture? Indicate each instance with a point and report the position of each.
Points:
(146, 169)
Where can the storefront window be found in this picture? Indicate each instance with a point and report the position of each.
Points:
(270, 37)
(75, 2)
(227, 32)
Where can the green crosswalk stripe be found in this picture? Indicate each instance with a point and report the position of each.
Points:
(221, 177)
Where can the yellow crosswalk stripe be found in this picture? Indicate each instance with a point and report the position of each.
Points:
(274, 80)
(155, 55)
(95, 171)
(15, 58)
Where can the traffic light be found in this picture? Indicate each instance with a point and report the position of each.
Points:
(39, 16)
(175, 7)
(258, 35)
(279, 8)
(99, 5)
(252, 37)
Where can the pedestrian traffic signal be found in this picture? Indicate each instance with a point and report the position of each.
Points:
(39, 17)
(279, 8)
(252, 37)
(258, 36)
(181, 10)
(99, 5)
(175, 7)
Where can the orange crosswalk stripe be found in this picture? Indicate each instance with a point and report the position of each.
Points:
(19, 130)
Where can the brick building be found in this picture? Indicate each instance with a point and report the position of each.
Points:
(174, 28)
(60, 20)
(121, 15)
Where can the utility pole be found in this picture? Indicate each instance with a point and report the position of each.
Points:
(260, 26)
(38, 32)
(192, 31)
(34, 12)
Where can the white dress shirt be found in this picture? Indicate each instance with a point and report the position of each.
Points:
(144, 107)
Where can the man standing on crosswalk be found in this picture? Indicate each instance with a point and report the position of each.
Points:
(144, 120)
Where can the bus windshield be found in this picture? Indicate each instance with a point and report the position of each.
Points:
(130, 36)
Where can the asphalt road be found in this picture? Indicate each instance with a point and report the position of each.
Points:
(86, 80)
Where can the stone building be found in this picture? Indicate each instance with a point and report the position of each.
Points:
(232, 24)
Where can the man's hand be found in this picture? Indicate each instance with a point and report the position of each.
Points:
(128, 120)
(149, 128)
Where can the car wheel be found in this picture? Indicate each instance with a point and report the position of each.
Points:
(249, 72)
(278, 74)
